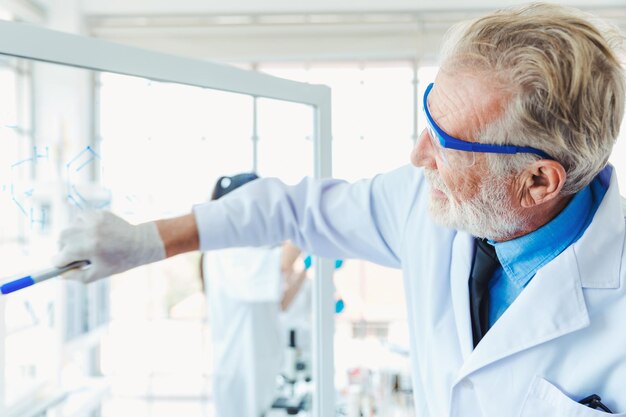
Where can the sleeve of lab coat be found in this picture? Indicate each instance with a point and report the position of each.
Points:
(330, 218)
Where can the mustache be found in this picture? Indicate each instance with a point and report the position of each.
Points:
(435, 181)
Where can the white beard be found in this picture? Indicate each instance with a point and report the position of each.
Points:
(489, 214)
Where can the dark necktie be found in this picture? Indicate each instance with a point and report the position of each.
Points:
(485, 264)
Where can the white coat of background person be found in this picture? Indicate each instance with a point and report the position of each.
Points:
(296, 307)
(244, 291)
(542, 79)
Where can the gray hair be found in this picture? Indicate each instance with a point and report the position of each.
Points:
(560, 68)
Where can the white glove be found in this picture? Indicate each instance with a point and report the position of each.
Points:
(110, 243)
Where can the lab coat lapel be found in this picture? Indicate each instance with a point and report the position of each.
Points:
(462, 255)
(551, 306)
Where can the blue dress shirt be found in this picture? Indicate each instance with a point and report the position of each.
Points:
(522, 257)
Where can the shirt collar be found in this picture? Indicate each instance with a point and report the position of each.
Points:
(523, 256)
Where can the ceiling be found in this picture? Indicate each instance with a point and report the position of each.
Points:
(254, 7)
(245, 30)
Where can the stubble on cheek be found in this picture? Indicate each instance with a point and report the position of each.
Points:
(463, 188)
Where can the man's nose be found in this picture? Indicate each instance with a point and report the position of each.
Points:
(423, 154)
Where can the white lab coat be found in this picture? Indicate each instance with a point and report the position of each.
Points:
(244, 287)
(563, 338)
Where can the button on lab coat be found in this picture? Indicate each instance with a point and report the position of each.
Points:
(561, 340)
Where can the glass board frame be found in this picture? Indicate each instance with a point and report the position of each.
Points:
(35, 43)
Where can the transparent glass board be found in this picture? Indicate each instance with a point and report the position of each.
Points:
(44, 179)
(73, 140)
(164, 147)
(285, 145)
(168, 143)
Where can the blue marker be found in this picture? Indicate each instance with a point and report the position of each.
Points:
(40, 276)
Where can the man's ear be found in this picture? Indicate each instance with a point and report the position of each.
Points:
(540, 182)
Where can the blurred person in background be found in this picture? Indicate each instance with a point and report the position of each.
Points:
(246, 291)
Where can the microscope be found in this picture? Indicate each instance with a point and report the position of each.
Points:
(296, 377)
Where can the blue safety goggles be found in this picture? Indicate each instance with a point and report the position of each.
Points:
(447, 147)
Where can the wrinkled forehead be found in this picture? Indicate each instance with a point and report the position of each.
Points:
(463, 103)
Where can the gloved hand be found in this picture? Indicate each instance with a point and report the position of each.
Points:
(110, 243)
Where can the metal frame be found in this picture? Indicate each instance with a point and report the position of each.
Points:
(39, 44)
(2, 357)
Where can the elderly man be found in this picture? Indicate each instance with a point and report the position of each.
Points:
(509, 228)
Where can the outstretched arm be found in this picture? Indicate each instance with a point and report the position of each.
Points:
(329, 218)
(179, 234)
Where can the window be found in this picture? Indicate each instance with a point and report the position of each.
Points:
(373, 119)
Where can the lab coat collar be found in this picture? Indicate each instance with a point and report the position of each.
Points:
(552, 305)
(599, 249)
